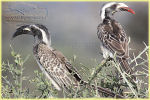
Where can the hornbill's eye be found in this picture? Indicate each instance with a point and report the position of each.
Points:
(33, 30)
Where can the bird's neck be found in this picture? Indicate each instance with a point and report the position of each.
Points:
(107, 20)
(45, 38)
(107, 15)
(38, 40)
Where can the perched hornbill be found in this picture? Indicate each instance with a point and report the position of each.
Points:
(112, 36)
(52, 62)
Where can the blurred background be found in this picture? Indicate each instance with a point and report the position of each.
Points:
(73, 28)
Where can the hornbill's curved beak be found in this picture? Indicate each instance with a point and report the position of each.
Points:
(23, 30)
(127, 9)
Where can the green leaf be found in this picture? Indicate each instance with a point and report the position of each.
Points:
(13, 53)
(16, 61)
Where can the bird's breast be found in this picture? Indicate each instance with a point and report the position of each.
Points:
(106, 52)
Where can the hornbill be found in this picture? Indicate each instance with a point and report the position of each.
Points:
(53, 63)
(112, 36)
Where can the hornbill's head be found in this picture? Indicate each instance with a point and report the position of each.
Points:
(36, 30)
(109, 9)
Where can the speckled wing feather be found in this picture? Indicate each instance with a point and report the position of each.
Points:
(113, 38)
(56, 65)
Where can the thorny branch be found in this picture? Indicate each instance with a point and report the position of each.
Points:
(100, 89)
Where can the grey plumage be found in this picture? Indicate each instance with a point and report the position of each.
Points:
(52, 62)
(56, 65)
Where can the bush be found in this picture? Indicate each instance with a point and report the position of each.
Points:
(106, 74)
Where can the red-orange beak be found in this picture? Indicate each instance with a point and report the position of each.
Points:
(127, 9)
